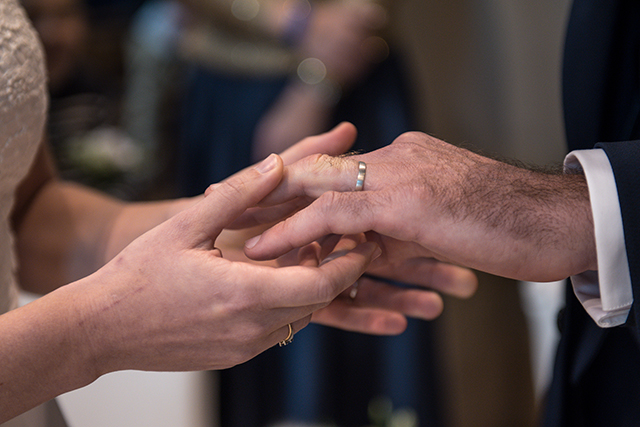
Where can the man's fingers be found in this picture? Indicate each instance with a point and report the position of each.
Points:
(312, 223)
(315, 175)
(227, 200)
(452, 280)
(261, 216)
(344, 315)
(379, 308)
(335, 142)
(417, 303)
(430, 273)
(332, 143)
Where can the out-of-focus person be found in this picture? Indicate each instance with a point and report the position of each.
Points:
(88, 142)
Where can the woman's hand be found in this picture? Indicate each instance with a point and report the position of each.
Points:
(171, 301)
(168, 301)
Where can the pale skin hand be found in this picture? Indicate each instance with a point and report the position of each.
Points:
(168, 302)
(66, 231)
(382, 307)
(447, 203)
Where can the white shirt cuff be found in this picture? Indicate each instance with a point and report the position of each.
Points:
(606, 294)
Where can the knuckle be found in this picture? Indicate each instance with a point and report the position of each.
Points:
(322, 162)
(328, 201)
(232, 190)
(326, 291)
(318, 159)
(326, 162)
(408, 137)
(234, 185)
(210, 189)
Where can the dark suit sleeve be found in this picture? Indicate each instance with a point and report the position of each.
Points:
(625, 162)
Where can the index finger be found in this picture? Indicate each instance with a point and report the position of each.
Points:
(332, 213)
(315, 175)
(302, 181)
(229, 199)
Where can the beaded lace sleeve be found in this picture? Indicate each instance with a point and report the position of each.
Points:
(23, 103)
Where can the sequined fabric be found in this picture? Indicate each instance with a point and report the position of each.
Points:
(22, 114)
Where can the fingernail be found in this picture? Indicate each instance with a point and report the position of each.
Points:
(377, 252)
(334, 255)
(267, 164)
(252, 242)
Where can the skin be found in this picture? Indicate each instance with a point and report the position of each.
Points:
(425, 198)
(150, 289)
(168, 301)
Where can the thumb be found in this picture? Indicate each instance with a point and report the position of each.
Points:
(227, 200)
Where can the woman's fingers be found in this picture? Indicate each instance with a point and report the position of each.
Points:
(306, 286)
(227, 200)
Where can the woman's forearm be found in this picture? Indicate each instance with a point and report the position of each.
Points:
(63, 235)
(41, 353)
(69, 231)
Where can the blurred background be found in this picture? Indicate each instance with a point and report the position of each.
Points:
(159, 98)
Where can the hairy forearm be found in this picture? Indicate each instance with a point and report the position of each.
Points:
(540, 218)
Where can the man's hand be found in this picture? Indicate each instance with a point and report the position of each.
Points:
(456, 205)
(380, 308)
(377, 303)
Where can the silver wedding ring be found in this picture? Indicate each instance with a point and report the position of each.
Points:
(362, 172)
